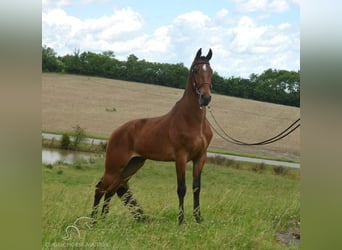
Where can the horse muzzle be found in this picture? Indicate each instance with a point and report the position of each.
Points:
(204, 99)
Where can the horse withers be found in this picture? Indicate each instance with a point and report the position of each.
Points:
(181, 135)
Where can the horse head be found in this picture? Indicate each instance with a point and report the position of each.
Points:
(201, 73)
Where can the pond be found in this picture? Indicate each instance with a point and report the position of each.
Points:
(52, 155)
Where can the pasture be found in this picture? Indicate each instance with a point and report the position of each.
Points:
(241, 209)
(100, 105)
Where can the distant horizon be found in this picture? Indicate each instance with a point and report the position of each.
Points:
(140, 59)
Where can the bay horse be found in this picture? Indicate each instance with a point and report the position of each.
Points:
(181, 135)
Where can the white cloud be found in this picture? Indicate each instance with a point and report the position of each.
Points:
(159, 41)
(279, 6)
(247, 34)
(66, 33)
(267, 6)
(240, 44)
(196, 19)
(124, 21)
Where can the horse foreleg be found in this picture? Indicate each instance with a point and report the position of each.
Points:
(126, 196)
(181, 188)
(196, 186)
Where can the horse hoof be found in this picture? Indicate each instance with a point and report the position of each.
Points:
(181, 222)
(140, 218)
(199, 220)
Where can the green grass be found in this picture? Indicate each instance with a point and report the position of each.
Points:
(241, 209)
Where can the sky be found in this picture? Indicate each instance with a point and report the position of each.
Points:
(246, 36)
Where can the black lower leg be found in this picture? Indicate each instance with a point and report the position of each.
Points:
(181, 190)
(126, 196)
(108, 197)
(196, 187)
(97, 197)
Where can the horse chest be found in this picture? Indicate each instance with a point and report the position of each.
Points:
(196, 143)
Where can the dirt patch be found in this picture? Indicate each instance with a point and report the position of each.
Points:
(290, 237)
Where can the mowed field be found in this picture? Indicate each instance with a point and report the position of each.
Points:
(100, 105)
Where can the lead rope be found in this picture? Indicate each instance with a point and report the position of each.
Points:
(230, 139)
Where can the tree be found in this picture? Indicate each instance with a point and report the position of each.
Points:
(50, 63)
(219, 85)
(72, 63)
(278, 86)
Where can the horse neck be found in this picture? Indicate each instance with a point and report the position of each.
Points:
(190, 105)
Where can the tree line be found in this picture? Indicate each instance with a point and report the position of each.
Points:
(275, 86)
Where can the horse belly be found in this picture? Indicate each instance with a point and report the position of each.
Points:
(155, 149)
(153, 143)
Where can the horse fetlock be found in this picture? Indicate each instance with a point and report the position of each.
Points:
(181, 217)
(139, 216)
(197, 215)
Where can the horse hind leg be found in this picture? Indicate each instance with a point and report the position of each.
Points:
(111, 183)
(103, 187)
(110, 191)
(125, 194)
(97, 197)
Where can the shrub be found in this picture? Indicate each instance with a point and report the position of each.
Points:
(103, 146)
(236, 165)
(260, 167)
(220, 160)
(65, 142)
(49, 166)
(78, 165)
(52, 142)
(111, 109)
(79, 135)
(280, 170)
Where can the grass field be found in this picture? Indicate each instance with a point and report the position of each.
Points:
(241, 209)
(100, 105)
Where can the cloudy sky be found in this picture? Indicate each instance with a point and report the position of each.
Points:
(246, 36)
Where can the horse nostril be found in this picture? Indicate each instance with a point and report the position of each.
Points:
(204, 99)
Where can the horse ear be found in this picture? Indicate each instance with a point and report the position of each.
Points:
(199, 53)
(210, 54)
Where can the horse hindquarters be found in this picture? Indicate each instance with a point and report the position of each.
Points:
(114, 181)
(126, 196)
